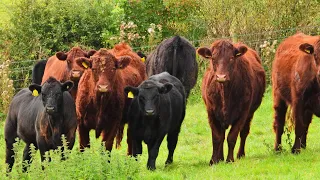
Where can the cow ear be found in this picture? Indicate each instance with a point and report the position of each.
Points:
(131, 91)
(123, 62)
(67, 86)
(91, 53)
(35, 89)
(307, 48)
(240, 51)
(204, 52)
(142, 56)
(61, 56)
(84, 62)
(165, 88)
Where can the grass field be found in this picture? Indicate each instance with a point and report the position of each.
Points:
(191, 157)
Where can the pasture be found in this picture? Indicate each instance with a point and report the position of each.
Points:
(191, 157)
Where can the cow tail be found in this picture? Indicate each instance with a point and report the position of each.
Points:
(119, 136)
(174, 60)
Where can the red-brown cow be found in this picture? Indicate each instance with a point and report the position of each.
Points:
(295, 82)
(63, 67)
(232, 90)
(135, 75)
(101, 99)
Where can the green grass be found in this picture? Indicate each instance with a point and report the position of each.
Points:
(5, 11)
(191, 157)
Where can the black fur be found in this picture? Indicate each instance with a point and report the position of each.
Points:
(158, 109)
(41, 120)
(178, 57)
(37, 71)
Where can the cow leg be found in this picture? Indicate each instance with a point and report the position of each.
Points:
(26, 157)
(10, 138)
(84, 137)
(153, 151)
(233, 135)
(217, 139)
(43, 148)
(70, 140)
(243, 135)
(108, 138)
(172, 139)
(129, 142)
(280, 110)
(299, 126)
(136, 147)
(307, 120)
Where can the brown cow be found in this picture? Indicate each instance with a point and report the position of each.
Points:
(101, 99)
(63, 67)
(135, 75)
(295, 78)
(232, 89)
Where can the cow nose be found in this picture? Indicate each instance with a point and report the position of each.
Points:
(50, 109)
(75, 74)
(221, 78)
(103, 88)
(149, 112)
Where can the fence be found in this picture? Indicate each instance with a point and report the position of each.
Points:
(264, 43)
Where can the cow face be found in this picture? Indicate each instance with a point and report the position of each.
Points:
(75, 71)
(104, 67)
(51, 93)
(222, 54)
(148, 95)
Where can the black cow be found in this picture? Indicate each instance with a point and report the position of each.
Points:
(157, 109)
(41, 120)
(178, 57)
(38, 70)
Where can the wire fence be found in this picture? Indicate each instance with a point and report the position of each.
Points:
(21, 70)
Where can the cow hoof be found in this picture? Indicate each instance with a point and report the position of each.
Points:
(213, 162)
(278, 148)
(169, 161)
(295, 150)
(151, 168)
(240, 155)
(230, 160)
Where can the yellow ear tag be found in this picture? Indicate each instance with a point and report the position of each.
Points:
(143, 59)
(307, 51)
(35, 93)
(84, 65)
(130, 95)
(238, 54)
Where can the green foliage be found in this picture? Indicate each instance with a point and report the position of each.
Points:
(42, 27)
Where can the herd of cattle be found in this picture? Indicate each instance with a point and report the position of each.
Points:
(106, 89)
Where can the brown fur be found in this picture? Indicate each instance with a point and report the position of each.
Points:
(135, 75)
(295, 78)
(234, 101)
(103, 111)
(61, 69)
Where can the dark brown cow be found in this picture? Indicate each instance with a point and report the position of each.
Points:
(63, 67)
(232, 89)
(101, 99)
(295, 78)
(135, 74)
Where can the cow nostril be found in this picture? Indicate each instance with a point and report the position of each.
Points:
(103, 88)
(221, 78)
(49, 109)
(149, 112)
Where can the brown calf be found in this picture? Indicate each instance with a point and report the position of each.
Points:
(63, 67)
(232, 89)
(295, 82)
(101, 99)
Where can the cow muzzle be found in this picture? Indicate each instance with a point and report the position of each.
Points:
(149, 112)
(103, 88)
(75, 74)
(50, 109)
(221, 78)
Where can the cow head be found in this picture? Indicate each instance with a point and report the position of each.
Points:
(104, 67)
(51, 93)
(75, 70)
(148, 95)
(223, 54)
